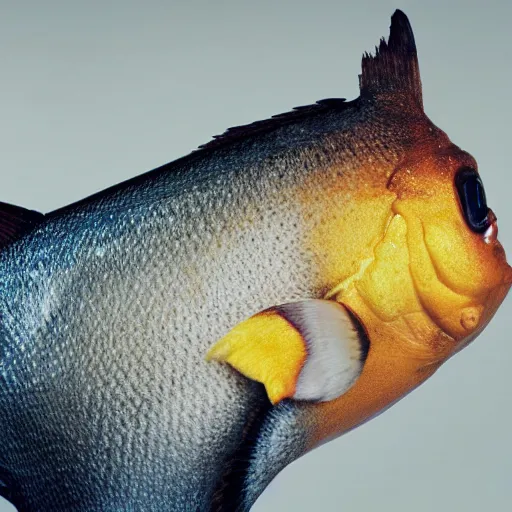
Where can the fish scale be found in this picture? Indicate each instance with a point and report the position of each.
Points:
(144, 329)
(129, 317)
(111, 306)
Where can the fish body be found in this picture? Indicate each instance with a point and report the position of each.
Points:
(110, 305)
(158, 271)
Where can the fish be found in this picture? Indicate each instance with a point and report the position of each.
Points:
(175, 341)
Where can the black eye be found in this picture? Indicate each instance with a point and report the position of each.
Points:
(472, 199)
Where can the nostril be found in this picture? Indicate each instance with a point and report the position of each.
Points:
(469, 318)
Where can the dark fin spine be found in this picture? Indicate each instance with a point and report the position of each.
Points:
(394, 67)
(298, 114)
(231, 487)
(16, 222)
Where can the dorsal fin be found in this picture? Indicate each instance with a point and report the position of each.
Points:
(394, 68)
(15, 222)
(268, 125)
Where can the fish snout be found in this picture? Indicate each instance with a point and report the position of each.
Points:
(507, 280)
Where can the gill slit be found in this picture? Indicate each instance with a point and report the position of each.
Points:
(362, 267)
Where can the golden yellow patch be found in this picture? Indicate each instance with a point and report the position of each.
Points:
(388, 274)
(423, 284)
(265, 348)
(344, 228)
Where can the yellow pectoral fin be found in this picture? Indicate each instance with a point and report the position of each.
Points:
(308, 350)
(265, 348)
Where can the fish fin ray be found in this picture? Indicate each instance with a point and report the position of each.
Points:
(15, 222)
(5, 493)
(311, 350)
(394, 67)
(238, 133)
(8, 490)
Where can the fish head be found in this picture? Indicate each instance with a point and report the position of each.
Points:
(436, 277)
(438, 273)
(458, 267)
(429, 272)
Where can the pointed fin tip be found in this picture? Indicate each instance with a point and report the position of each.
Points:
(15, 222)
(401, 35)
(394, 67)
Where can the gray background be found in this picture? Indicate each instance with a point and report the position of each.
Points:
(95, 93)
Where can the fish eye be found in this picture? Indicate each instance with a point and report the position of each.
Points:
(472, 199)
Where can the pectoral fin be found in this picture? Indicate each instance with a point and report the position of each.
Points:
(308, 350)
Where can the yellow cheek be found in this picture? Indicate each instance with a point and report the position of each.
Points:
(387, 285)
(386, 288)
(461, 258)
(443, 305)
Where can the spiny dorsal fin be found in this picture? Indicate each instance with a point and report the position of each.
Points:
(15, 222)
(268, 125)
(394, 68)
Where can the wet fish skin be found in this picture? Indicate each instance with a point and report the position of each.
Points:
(109, 306)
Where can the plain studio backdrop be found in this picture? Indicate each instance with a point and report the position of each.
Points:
(93, 93)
